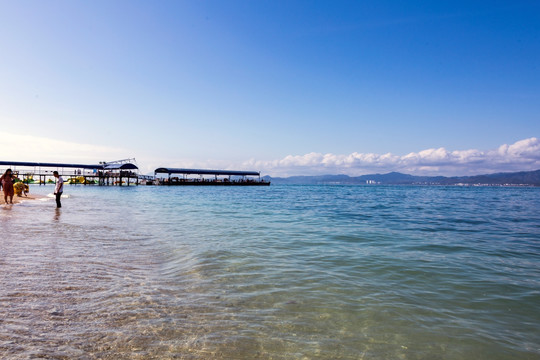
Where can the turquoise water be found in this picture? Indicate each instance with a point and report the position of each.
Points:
(280, 272)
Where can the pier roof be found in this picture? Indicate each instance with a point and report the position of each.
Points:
(125, 166)
(77, 166)
(205, 172)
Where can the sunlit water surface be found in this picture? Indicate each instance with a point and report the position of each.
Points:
(279, 272)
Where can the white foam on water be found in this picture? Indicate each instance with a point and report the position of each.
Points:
(64, 196)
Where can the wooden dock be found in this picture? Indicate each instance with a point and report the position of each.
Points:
(120, 172)
(126, 172)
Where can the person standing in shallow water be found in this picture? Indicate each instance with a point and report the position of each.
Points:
(59, 189)
(6, 181)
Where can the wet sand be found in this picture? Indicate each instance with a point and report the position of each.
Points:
(18, 199)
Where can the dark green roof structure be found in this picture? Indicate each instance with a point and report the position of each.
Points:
(169, 171)
(104, 166)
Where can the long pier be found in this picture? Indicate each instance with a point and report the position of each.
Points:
(120, 172)
(126, 172)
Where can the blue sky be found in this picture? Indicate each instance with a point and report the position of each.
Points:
(284, 87)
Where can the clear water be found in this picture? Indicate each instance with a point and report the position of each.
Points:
(280, 272)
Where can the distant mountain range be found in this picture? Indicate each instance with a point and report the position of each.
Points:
(530, 178)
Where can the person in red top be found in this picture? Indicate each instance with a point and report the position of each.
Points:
(7, 184)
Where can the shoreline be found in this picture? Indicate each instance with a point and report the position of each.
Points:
(19, 199)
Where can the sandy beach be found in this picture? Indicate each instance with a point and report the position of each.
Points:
(18, 199)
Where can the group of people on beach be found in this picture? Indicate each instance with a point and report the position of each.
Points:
(6, 183)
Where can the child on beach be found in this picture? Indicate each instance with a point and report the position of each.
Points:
(7, 184)
(21, 188)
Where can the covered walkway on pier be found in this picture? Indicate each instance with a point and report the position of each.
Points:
(105, 173)
(184, 180)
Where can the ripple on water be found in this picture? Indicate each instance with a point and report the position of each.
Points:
(286, 272)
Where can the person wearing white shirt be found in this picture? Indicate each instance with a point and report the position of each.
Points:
(59, 189)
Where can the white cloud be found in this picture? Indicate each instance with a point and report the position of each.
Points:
(523, 155)
(16, 147)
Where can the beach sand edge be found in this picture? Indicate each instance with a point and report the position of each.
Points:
(19, 199)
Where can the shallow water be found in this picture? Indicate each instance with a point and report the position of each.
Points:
(279, 272)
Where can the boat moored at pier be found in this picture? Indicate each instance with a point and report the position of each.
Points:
(209, 177)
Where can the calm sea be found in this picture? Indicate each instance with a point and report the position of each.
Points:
(279, 272)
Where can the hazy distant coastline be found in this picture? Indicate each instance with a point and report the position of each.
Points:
(522, 178)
